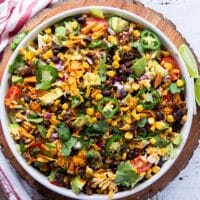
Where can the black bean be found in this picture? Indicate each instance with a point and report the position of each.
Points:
(178, 115)
(124, 78)
(87, 39)
(81, 171)
(159, 115)
(131, 155)
(106, 92)
(46, 123)
(123, 148)
(81, 20)
(55, 46)
(55, 59)
(26, 99)
(122, 94)
(55, 51)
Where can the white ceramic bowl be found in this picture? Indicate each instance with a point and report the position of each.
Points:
(36, 174)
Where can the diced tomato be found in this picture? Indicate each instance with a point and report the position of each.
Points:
(175, 72)
(167, 97)
(54, 182)
(13, 93)
(97, 20)
(37, 144)
(141, 165)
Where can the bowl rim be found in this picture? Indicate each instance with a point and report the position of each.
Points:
(129, 16)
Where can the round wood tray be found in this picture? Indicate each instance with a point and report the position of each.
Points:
(169, 30)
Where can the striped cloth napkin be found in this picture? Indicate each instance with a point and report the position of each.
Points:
(13, 15)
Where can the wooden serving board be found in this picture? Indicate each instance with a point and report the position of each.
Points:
(169, 29)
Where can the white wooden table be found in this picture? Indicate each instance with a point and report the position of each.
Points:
(185, 14)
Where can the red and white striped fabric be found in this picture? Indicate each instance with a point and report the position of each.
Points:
(13, 15)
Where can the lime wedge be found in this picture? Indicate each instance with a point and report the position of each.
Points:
(197, 91)
(189, 60)
(97, 13)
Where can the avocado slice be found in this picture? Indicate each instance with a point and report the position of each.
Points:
(177, 139)
(14, 130)
(118, 24)
(17, 79)
(51, 96)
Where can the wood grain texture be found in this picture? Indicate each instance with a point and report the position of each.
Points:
(165, 26)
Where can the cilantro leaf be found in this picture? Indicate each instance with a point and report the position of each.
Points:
(174, 88)
(97, 129)
(125, 175)
(67, 146)
(42, 130)
(33, 117)
(142, 122)
(160, 142)
(64, 133)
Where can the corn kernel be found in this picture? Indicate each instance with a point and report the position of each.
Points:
(98, 97)
(163, 151)
(57, 102)
(151, 120)
(65, 106)
(112, 39)
(38, 51)
(124, 155)
(115, 64)
(74, 25)
(128, 135)
(22, 51)
(46, 39)
(116, 58)
(108, 120)
(147, 56)
(90, 111)
(111, 73)
(94, 120)
(126, 127)
(179, 83)
(170, 118)
(48, 54)
(85, 65)
(152, 140)
(132, 25)
(184, 118)
(139, 108)
(167, 66)
(159, 125)
(126, 48)
(29, 55)
(114, 123)
(165, 53)
(48, 31)
(65, 179)
(136, 117)
(135, 86)
(148, 174)
(61, 56)
(136, 33)
(155, 169)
